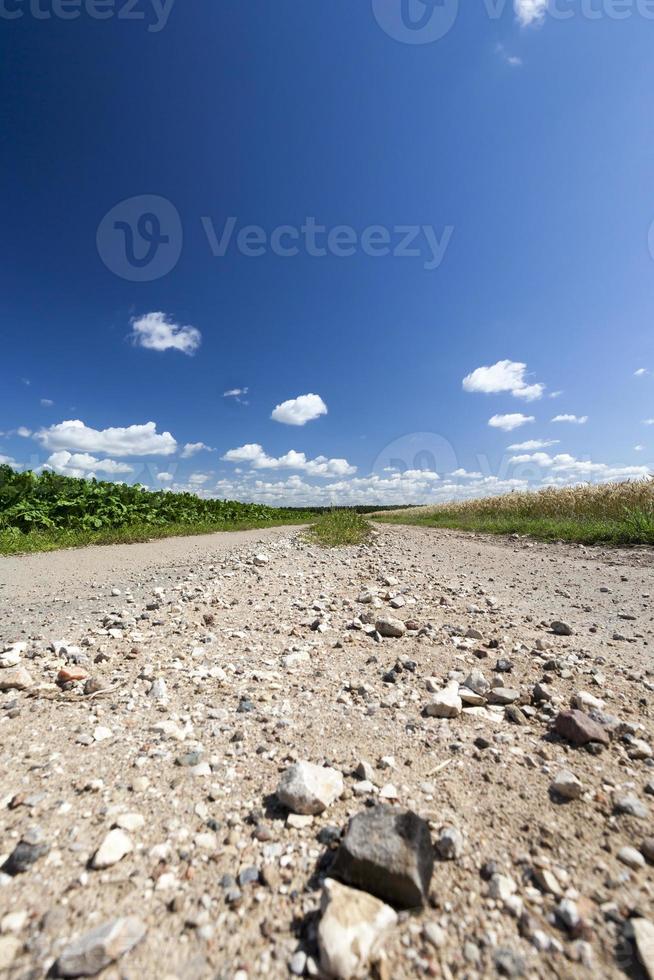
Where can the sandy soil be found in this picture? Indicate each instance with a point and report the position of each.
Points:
(260, 667)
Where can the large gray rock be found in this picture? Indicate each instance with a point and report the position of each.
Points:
(390, 626)
(95, 950)
(387, 852)
(309, 789)
(578, 728)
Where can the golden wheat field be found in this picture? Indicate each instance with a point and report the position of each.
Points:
(605, 501)
(622, 513)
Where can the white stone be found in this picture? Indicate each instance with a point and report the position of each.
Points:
(631, 857)
(299, 820)
(95, 950)
(501, 887)
(130, 821)
(309, 789)
(112, 849)
(644, 936)
(447, 703)
(13, 921)
(11, 658)
(352, 928)
(587, 702)
(567, 785)
(101, 734)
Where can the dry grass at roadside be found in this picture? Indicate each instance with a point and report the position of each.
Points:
(615, 513)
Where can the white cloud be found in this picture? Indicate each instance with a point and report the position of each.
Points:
(156, 331)
(299, 411)
(648, 421)
(510, 422)
(534, 444)
(409, 487)
(575, 419)
(510, 59)
(567, 468)
(191, 448)
(23, 432)
(530, 11)
(503, 376)
(639, 448)
(9, 461)
(640, 372)
(83, 464)
(165, 477)
(254, 454)
(134, 440)
(198, 479)
(47, 402)
(236, 393)
(465, 475)
(555, 394)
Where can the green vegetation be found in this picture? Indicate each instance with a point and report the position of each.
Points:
(612, 513)
(340, 527)
(44, 512)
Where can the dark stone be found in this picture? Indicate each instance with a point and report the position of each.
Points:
(329, 835)
(578, 728)
(23, 857)
(387, 852)
(561, 629)
(248, 876)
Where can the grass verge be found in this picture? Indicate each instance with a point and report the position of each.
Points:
(580, 530)
(13, 543)
(338, 528)
(605, 513)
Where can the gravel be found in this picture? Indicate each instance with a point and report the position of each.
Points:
(165, 689)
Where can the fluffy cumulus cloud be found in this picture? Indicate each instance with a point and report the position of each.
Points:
(504, 376)
(156, 331)
(573, 419)
(198, 479)
(530, 11)
(510, 422)
(566, 469)
(191, 448)
(532, 444)
(165, 477)
(8, 461)
(84, 465)
(254, 455)
(300, 410)
(133, 440)
(408, 487)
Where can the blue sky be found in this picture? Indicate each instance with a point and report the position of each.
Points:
(331, 206)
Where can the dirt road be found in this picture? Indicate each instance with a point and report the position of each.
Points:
(212, 664)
